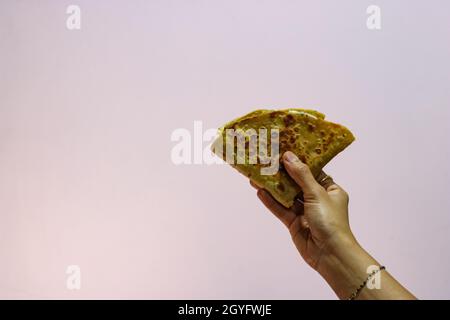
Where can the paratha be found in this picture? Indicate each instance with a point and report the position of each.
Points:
(304, 132)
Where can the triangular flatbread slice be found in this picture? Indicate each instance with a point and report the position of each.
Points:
(305, 132)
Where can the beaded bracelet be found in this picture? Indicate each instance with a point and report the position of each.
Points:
(357, 291)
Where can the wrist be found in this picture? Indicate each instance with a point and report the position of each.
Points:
(343, 264)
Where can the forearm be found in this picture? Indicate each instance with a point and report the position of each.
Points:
(344, 267)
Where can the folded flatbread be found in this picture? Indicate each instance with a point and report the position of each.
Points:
(304, 132)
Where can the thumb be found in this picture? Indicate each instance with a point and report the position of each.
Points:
(301, 174)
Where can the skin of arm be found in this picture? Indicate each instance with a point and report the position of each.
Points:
(321, 232)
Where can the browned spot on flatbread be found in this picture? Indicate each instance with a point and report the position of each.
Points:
(275, 114)
(328, 141)
(302, 158)
(288, 120)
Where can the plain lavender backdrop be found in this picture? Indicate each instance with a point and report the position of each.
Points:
(85, 123)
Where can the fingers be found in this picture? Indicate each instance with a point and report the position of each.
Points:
(297, 225)
(254, 185)
(336, 192)
(325, 180)
(333, 189)
(328, 183)
(300, 231)
(301, 174)
(299, 205)
(285, 215)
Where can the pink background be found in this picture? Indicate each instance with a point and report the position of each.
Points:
(85, 123)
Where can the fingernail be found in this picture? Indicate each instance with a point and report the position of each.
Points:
(291, 157)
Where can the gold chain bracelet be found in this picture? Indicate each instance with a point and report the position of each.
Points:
(357, 291)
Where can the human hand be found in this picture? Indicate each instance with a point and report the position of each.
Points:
(321, 224)
(321, 232)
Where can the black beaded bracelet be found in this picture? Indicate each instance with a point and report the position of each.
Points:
(357, 291)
